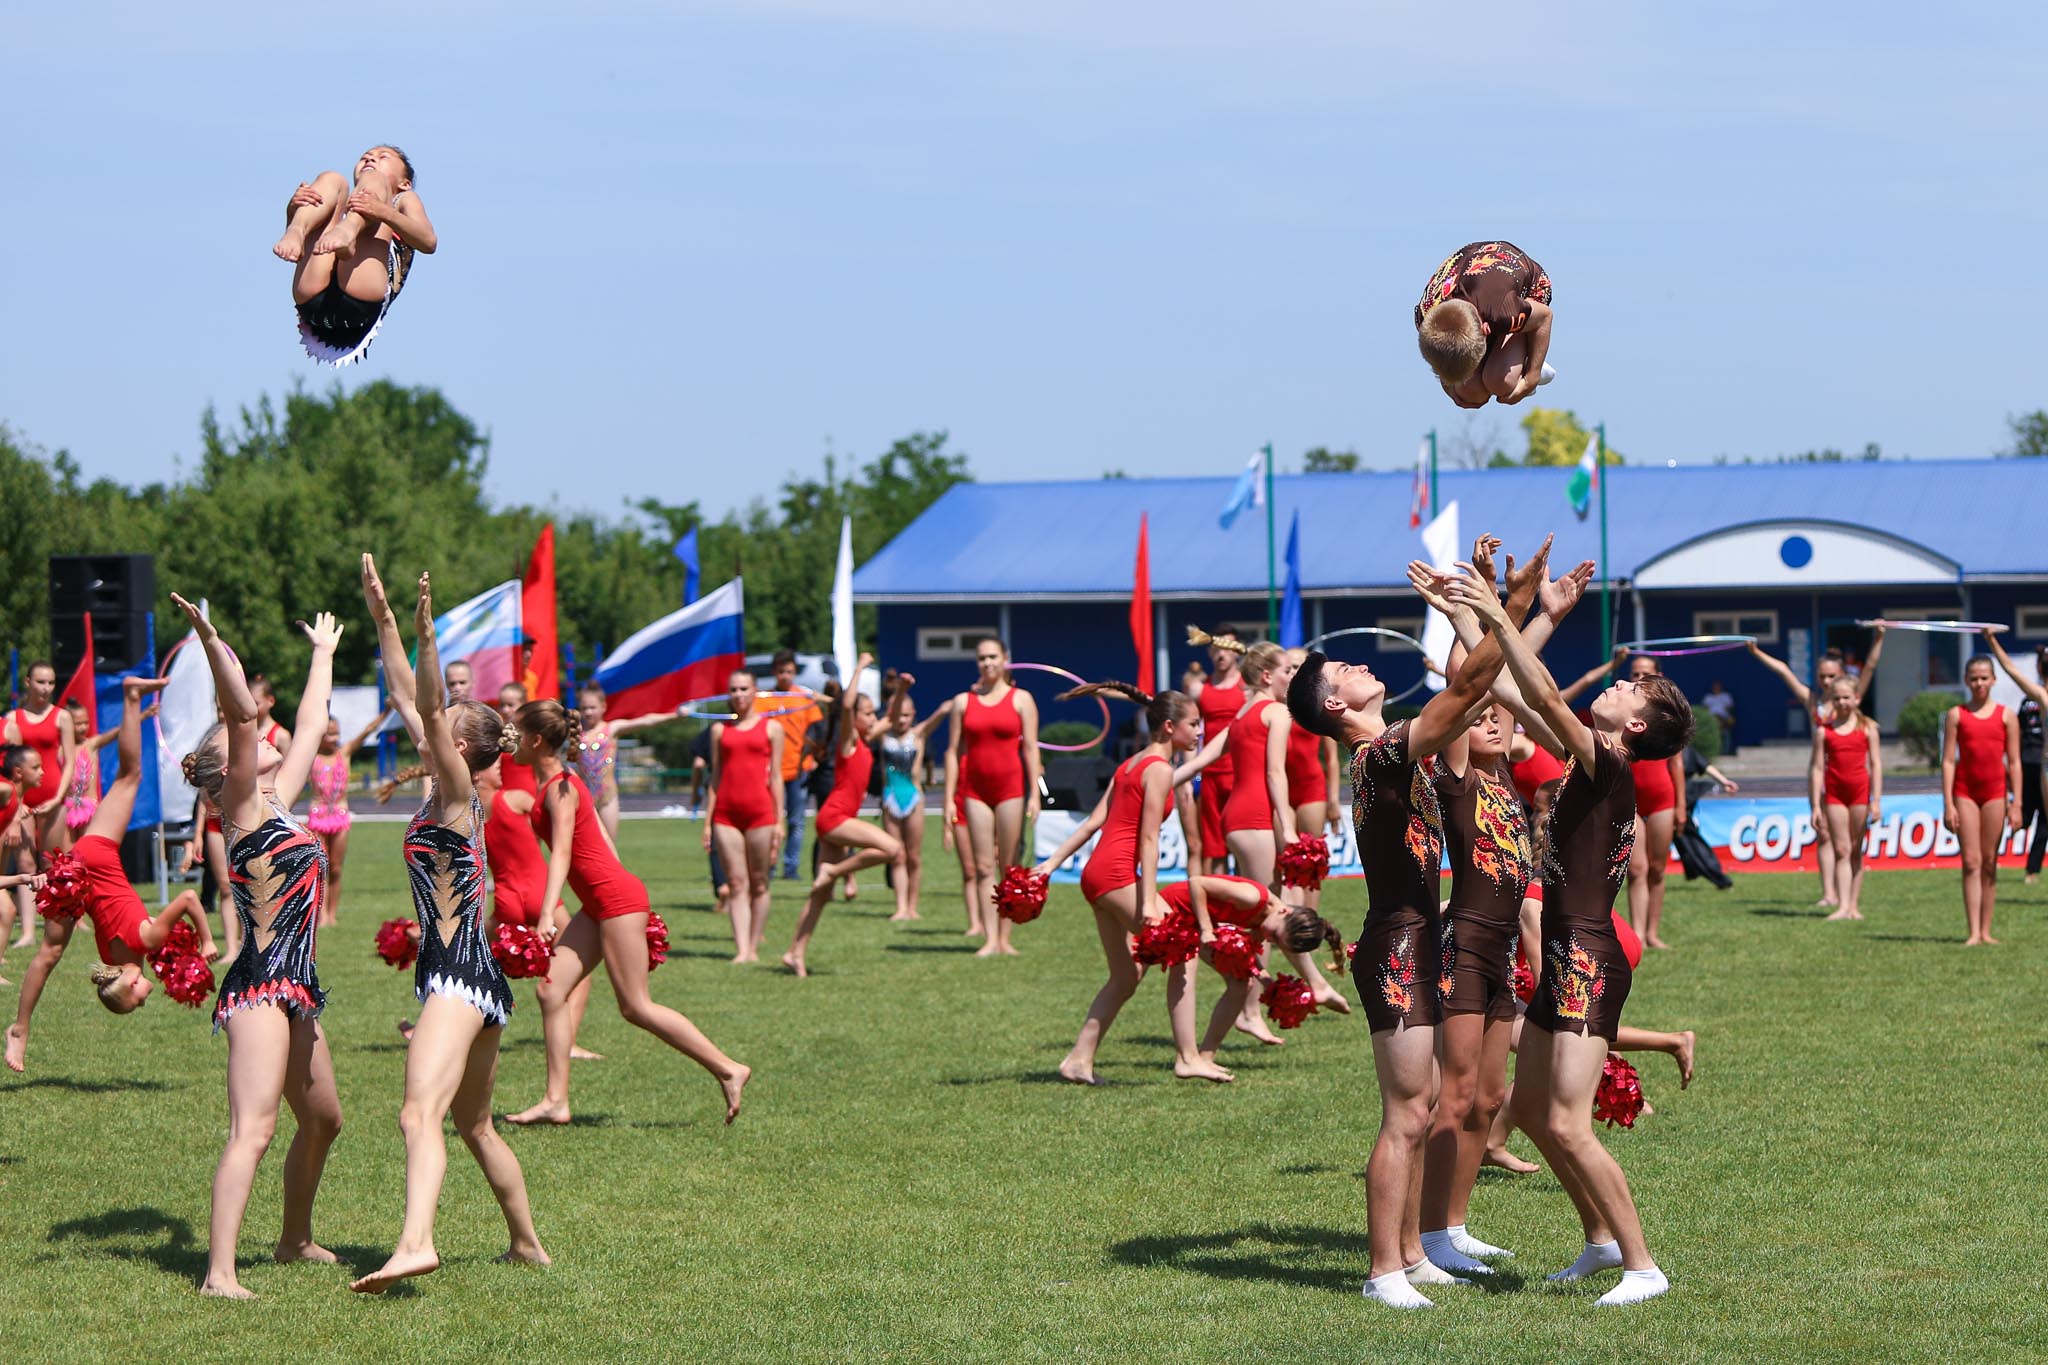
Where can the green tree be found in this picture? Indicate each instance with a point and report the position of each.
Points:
(1556, 437)
(2029, 432)
(1323, 460)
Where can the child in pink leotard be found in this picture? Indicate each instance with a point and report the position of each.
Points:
(330, 817)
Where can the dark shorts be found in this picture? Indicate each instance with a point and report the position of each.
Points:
(338, 318)
(1585, 978)
(1395, 970)
(1476, 965)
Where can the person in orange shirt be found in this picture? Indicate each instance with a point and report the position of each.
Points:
(794, 720)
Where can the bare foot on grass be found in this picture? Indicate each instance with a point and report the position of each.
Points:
(403, 1265)
(1684, 1056)
(733, 1085)
(542, 1113)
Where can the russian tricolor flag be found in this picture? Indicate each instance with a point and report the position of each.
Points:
(685, 656)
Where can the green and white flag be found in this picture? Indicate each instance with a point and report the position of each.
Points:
(1585, 477)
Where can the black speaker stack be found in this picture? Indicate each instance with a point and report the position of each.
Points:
(117, 592)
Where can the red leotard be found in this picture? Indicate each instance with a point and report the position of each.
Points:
(1535, 770)
(1845, 776)
(960, 794)
(7, 811)
(1980, 755)
(117, 912)
(599, 880)
(745, 799)
(1306, 780)
(1624, 934)
(1219, 705)
(519, 875)
(1250, 803)
(41, 735)
(1180, 896)
(1654, 791)
(849, 786)
(990, 733)
(516, 776)
(1114, 863)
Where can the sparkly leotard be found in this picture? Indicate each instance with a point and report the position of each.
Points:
(594, 760)
(279, 867)
(445, 866)
(329, 777)
(899, 782)
(84, 797)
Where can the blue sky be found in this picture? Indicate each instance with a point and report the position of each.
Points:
(685, 246)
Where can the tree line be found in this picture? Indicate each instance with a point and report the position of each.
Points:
(272, 521)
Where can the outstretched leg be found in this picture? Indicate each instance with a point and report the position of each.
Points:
(577, 953)
(56, 934)
(110, 819)
(1079, 1063)
(625, 958)
(500, 1167)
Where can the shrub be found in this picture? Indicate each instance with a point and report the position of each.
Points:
(1920, 724)
(1706, 733)
(1070, 732)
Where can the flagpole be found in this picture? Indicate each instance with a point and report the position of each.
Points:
(1432, 473)
(1606, 606)
(1272, 583)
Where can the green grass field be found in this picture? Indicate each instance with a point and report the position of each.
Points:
(1848, 1178)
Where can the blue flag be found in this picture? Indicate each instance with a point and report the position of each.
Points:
(1291, 634)
(686, 550)
(1249, 491)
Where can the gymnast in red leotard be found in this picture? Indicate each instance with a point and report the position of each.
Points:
(1659, 815)
(611, 926)
(1311, 782)
(1852, 790)
(994, 730)
(745, 812)
(1980, 766)
(1220, 696)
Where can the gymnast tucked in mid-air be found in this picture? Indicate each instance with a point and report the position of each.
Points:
(352, 248)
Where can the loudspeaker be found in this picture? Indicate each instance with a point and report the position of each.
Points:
(118, 592)
(1076, 782)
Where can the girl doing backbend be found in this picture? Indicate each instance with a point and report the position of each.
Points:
(1980, 768)
(451, 1059)
(270, 1000)
(610, 926)
(997, 723)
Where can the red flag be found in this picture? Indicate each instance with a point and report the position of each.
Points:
(537, 620)
(1141, 612)
(82, 689)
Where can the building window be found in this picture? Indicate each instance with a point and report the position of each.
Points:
(936, 643)
(2031, 622)
(1762, 624)
(1411, 626)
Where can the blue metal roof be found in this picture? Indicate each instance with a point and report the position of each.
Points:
(1014, 541)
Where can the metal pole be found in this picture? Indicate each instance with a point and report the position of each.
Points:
(1606, 572)
(1272, 579)
(1432, 473)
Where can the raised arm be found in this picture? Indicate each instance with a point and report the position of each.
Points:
(1443, 719)
(1869, 673)
(398, 676)
(349, 748)
(452, 781)
(2026, 685)
(311, 721)
(1538, 687)
(1801, 693)
(238, 714)
(1209, 753)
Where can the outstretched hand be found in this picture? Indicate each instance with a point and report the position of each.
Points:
(1533, 571)
(196, 617)
(423, 614)
(1482, 556)
(373, 588)
(1558, 596)
(325, 632)
(1429, 585)
(1470, 590)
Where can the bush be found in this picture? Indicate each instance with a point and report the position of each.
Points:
(1706, 733)
(1070, 732)
(1920, 724)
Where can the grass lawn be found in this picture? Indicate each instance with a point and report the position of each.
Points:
(1848, 1177)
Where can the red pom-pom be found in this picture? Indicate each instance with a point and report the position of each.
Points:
(1525, 979)
(1288, 1000)
(63, 892)
(1234, 953)
(187, 980)
(1168, 941)
(1020, 895)
(181, 942)
(1305, 862)
(657, 941)
(521, 951)
(1620, 1096)
(396, 944)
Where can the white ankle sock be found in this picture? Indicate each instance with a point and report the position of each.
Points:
(1393, 1290)
(1596, 1257)
(1635, 1286)
(1443, 1253)
(1472, 1246)
(1422, 1272)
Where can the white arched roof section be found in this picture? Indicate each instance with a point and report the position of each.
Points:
(1794, 554)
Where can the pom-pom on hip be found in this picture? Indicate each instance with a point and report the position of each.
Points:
(1620, 1096)
(657, 940)
(1305, 862)
(1168, 941)
(1020, 895)
(398, 943)
(521, 952)
(1288, 1000)
(64, 892)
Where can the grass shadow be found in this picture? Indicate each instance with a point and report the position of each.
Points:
(1013, 1078)
(1912, 938)
(78, 1087)
(145, 1233)
(1775, 912)
(928, 948)
(1275, 1254)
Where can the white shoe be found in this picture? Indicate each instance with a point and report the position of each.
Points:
(1549, 373)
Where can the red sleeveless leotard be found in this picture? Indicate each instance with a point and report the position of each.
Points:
(849, 785)
(1180, 896)
(745, 799)
(1654, 791)
(516, 776)
(1531, 773)
(519, 875)
(1845, 776)
(1218, 705)
(117, 912)
(597, 877)
(990, 733)
(1250, 803)
(41, 735)
(1306, 780)
(1114, 863)
(1980, 755)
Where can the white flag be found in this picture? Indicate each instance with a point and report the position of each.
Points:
(185, 712)
(1440, 545)
(843, 651)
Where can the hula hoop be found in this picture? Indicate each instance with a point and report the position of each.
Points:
(693, 710)
(1387, 634)
(1100, 735)
(1679, 646)
(1940, 627)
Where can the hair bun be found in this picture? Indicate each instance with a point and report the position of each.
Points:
(508, 739)
(189, 766)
